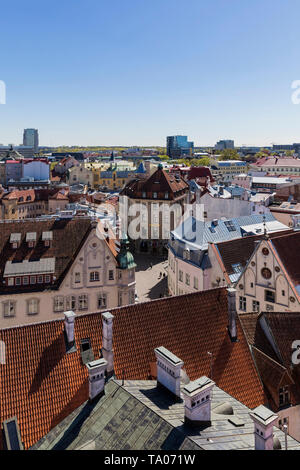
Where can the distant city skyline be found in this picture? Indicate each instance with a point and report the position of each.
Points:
(144, 70)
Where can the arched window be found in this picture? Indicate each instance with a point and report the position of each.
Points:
(94, 276)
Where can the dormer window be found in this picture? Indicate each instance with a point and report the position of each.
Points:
(15, 240)
(31, 239)
(47, 238)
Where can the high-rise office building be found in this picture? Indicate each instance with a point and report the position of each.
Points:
(31, 139)
(224, 144)
(179, 146)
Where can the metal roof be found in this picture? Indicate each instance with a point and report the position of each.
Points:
(43, 266)
(197, 234)
(15, 237)
(31, 236)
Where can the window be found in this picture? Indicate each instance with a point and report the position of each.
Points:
(166, 195)
(255, 306)
(33, 306)
(18, 281)
(58, 304)
(77, 278)
(83, 302)
(32, 279)
(243, 304)
(180, 276)
(102, 301)
(94, 276)
(9, 308)
(111, 275)
(25, 280)
(195, 283)
(284, 396)
(237, 268)
(187, 279)
(71, 302)
(230, 226)
(120, 299)
(144, 194)
(269, 296)
(40, 279)
(155, 195)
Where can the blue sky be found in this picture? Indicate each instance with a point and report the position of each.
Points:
(130, 72)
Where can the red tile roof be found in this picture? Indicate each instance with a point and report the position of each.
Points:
(41, 384)
(160, 182)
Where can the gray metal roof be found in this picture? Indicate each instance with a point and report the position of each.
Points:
(139, 415)
(43, 266)
(197, 234)
(31, 236)
(15, 237)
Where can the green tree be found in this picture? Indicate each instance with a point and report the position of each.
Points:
(229, 154)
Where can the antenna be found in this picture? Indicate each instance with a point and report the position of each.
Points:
(211, 365)
(285, 429)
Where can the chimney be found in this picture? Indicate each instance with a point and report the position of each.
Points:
(168, 370)
(197, 401)
(232, 330)
(69, 328)
(107, 341)
(264, 420)
(96, 377)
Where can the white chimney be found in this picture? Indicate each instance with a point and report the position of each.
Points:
(96, 377)
(264, 420)
(69, 326)
(168, 370)
(232, 330)
(107, 341)
(197, 401)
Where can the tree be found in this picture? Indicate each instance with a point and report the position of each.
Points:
(229, 154)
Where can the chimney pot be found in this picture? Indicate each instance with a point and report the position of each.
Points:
(69, 326)
(197, 401)
(96, 371)
(264, 420)
(107, 341)
(168, 370)
(232, 330)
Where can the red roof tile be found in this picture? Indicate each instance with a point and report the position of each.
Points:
(41, 384)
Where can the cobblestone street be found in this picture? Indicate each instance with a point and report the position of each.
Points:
(150, 282)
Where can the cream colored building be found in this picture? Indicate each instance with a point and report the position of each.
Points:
(270, 281)
(63, 264)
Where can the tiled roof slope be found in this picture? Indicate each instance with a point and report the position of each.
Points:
(290, 257)
(68, 237)
(284, 329)
(41, 384)
(240, 249)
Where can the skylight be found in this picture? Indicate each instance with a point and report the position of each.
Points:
(230, 226)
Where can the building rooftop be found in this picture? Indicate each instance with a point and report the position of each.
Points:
(51, 382)
(140, 416)
(197, 234)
